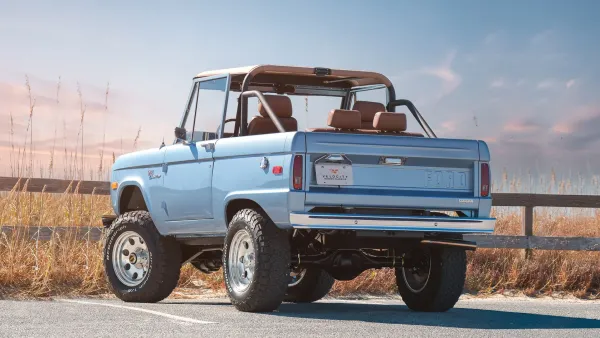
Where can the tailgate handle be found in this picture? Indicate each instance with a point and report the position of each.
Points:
(392, 160)
(334, 158)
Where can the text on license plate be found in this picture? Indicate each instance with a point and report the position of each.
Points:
(334, 174)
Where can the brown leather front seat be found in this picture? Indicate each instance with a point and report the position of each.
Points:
(368, 109)
(282, 107)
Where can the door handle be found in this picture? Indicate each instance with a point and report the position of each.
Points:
(209, 146)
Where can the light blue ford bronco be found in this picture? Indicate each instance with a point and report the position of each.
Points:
(285, 212)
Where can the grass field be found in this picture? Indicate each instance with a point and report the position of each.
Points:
(64, 266)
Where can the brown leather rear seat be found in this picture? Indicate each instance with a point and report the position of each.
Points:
(282, 107)
(392, 124)
(368, 109)
(341, 121)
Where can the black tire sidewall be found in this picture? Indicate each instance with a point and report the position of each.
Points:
(315, 285)
(435, 297)
(118, 287)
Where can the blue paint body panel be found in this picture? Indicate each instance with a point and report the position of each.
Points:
(187, 187)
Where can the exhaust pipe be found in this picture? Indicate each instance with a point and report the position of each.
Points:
(453, 243)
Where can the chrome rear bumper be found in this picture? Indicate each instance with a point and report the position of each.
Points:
(392, 223)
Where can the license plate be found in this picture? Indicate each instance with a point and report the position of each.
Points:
(334, 174)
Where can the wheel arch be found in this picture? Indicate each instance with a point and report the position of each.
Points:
(235, 205)
(132, 197)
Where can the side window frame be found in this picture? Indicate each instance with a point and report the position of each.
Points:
(194, 93)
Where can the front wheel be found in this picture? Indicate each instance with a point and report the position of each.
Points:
(140, 264)
(256, 262)
(432, 280)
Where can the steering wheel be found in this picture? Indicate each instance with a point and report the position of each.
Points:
(224, 123)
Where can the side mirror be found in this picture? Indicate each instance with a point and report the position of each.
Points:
(180, 133)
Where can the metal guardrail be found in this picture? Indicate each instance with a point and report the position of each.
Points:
(527, 201)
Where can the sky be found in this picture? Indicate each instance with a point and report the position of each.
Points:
(522, 75)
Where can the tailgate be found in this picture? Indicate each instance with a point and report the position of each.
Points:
(393, 171)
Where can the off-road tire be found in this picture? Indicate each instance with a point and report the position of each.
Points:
(315, 285)
(272, 262)
(164, 260)
(445, 284)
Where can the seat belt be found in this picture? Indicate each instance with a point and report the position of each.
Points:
(238, 118)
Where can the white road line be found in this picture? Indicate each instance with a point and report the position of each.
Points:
(157, 313)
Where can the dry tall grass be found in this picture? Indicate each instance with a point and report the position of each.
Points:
(64, 266)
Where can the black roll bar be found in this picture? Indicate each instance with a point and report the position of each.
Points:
(414, 111)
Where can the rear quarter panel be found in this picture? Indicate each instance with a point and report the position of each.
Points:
(237, 174)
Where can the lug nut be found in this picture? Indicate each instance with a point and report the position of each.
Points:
(127, 266)
(135, 275)
(131, 241)
(125, 252)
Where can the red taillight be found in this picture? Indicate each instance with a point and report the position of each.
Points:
(485, 180)
(297, 172)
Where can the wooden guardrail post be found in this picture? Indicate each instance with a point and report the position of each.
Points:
(527, 227)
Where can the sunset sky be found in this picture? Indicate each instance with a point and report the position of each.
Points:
(522, 75)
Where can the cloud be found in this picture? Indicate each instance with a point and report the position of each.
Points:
(580, 130)
(543, 38)
(547, 84)
(521, 126)
(570, 83)
(450, 78)
(449, 126)
(498, 83)
(562, 128)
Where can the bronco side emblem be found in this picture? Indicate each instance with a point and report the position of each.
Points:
(152, 176)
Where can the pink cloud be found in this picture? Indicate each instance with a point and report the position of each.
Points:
(521, 126)
(450, 78)
(449, 126)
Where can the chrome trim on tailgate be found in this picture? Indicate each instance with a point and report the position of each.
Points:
(391, 223)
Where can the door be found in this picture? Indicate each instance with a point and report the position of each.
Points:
(188, 164)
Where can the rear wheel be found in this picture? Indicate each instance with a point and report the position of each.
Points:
(140, 264)
(308, 285)
(432, 280)
(256, 262)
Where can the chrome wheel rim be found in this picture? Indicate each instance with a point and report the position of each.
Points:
(417, 277)
(296, 276)
(241, 261)
(130, 258)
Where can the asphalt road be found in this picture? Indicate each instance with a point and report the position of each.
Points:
(342, 318)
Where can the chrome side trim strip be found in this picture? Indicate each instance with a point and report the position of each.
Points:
(392, 223)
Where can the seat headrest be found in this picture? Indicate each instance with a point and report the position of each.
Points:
(389, 121)
(368, 109)
(281, 106)
(344, 119)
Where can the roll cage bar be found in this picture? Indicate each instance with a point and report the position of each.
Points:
(250, 89)
(242, 114)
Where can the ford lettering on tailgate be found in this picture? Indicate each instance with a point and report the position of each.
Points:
(447, 179)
